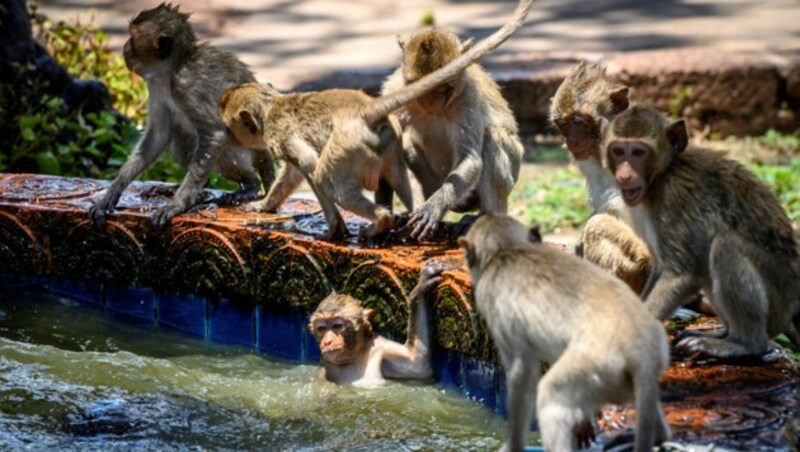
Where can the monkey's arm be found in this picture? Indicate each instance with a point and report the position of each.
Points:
(197, 172)
(413, 359)
(612, 244)
(463, 178)
(667, 292)
(155, 139)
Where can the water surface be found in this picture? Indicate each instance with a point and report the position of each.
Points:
(74, 376)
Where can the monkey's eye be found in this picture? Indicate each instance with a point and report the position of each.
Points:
(618, 151)
(320, 329)
(338, 327)
(578, 120)
(639, 152)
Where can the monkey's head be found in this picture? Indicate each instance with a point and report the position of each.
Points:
(244, 109)
(161, 39)
(341, 327)
(492, 233)
(582, 99)
(639, 146)
(426, 51)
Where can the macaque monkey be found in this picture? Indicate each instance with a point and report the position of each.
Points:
(184, 79)
(353, 354)
(543, 304)
(342, 141)
(460, 139)
(584, 97)
(710, 224)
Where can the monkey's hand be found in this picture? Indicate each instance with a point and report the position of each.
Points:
(101, 209)
(425, 220)
(163, 216)
(429, 278)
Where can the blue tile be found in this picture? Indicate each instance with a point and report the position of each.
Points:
(502, 400)
(280, 333)
(480, 381)
(231, 323)
(139, 302)
(311, 353)
(448, 368)
(86, 292)
(186, 313)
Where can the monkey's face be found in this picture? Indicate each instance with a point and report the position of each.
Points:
(340, 341)
(582, 135)
(630, 162)
(145, 52)
(243, 110)
(436, 100)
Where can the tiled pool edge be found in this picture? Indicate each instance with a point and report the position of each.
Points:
(220, 321)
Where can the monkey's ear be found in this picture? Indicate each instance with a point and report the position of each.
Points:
(534, 235)
(619, 99)
(369, 314)
(678, 136)
(466, 45)
(310, 327)
(249, 121)
(164, 47)
(401, 42)
(462, 243)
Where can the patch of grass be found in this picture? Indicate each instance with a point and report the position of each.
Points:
(554, 200)
(784, 180)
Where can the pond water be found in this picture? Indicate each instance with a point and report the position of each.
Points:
(74, 376)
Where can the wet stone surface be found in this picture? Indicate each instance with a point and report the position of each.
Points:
(273, 261)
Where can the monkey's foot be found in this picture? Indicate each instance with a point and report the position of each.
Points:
(584, 434)
(235, 198)
(159, 191)
(163, 216)
(708, 346)
(98, 215)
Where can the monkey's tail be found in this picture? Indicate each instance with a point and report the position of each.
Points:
(651, 427)
(382, 106)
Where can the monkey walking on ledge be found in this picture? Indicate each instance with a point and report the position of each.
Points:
(353, 354)
(710, 224)
(543, 304)
(184, 80)
(342, 141)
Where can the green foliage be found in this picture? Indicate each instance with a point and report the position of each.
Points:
(427, 19)
(784, 180)
(680, 99)
(553, 201)
(83, 50)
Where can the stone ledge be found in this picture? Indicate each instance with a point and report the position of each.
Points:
(216, 265)
(732, 92)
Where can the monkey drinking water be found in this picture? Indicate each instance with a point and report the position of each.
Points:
(710, 224)
(341, 141)
(353, 354)
(184, 79)
(543, 304)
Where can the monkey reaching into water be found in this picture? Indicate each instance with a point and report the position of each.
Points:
(342, 141)
(542, 304)
(460, 138)
(353, 354)
(709, 224)
(584, 98)
(184, 80)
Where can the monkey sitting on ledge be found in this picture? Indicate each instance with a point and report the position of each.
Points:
(353, 354)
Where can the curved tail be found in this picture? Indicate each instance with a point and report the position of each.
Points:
(382, 106)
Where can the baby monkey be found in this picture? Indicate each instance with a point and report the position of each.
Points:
(543, 304)
(340, 141)
(353, 354)
(585, 97)
(185, 79)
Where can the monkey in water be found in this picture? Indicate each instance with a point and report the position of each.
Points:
(710, 224)
(353, 354)
(342, 141)
(543, 304)
(584, 97)
(460, 139)
(184, 79)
